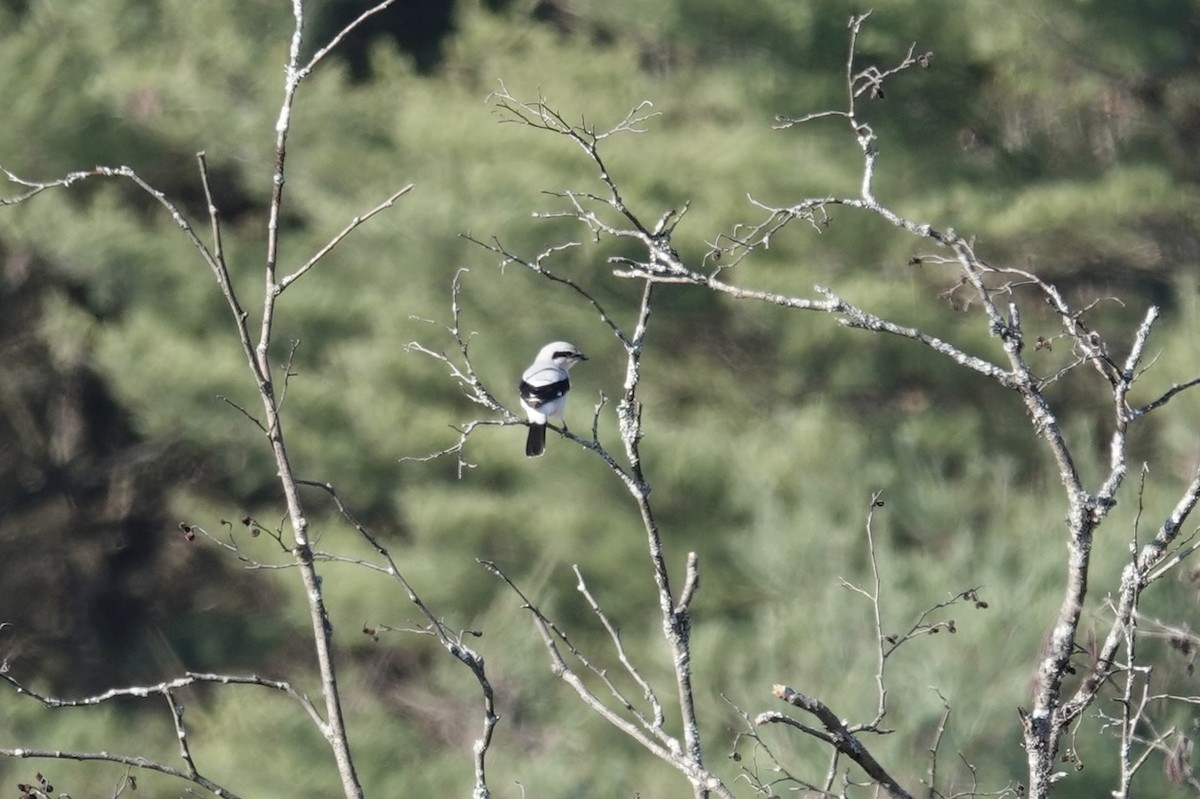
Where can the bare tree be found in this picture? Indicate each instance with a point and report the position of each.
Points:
(997, 294)
(326, 713)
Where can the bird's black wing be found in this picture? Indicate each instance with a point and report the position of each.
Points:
(537, 395)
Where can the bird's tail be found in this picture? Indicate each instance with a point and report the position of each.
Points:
(535, 444)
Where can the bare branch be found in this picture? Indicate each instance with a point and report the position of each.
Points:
(189, 678)
(931, 772)
(651, 736)
(655, 725)
(134, 761)
(451, 641)
(340, 237)
(538, 114)
(1164, 399)
(337, 39)
(214, 213)
(537, 265)
(166, 689)
(242, 411)
(836, 734)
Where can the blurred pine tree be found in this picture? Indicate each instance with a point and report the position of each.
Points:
(1062, 137)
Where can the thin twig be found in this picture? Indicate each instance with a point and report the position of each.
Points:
(341, 236)
(452, 642)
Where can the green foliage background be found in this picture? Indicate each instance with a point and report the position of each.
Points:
(1062, 138)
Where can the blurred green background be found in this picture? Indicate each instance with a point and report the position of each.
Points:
(1064, 138)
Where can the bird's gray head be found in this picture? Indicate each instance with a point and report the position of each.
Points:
(561, 353)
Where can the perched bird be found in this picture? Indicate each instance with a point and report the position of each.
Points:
(544, 388)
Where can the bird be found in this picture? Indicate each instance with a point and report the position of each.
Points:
(544, 388)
